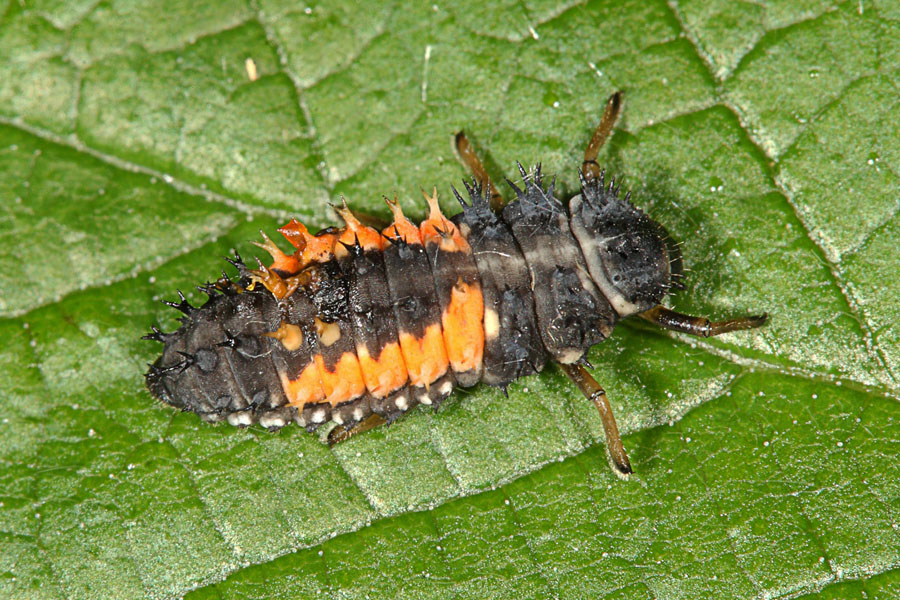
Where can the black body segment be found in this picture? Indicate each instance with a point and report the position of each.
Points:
(371, 312)
(512, 342)
(329, 290)
(416, 308)
(249, 355)
(338, 366)
(571, 313)
(454, 269)
(291, 360)
(370, 307)
(219, 363)
(413, 294)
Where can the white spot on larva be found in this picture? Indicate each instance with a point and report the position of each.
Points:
(570, 355)
(491, 324)
(337, 417)
(401, 402)
(357, 414)
(270, 421)
(425, 399)
(446, 388)
(319, 416)
(299, 420)
(241, 419)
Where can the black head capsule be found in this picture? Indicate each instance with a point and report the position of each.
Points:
(625, 250)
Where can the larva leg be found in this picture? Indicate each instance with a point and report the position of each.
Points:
(589, 167)
(593, 392)
(470, 159)
(340, 434)
(700, 326)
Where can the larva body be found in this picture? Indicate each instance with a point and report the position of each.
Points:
(358, 321)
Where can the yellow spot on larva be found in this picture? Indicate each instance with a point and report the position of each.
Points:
(491, 324)
(328, 333)
(290, 336)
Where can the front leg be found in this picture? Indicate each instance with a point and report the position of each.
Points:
(593, 392)
(589, 167)
(700, 326)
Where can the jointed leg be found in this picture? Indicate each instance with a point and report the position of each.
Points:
(700, 326)
(593, 392)
(589, 167)
(468, 157)
(340, 434)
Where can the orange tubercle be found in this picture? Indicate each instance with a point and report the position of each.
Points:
(310, 248)
(280, 261)
(437, 229)
(295, 232)
(401, 227)
(355, 231)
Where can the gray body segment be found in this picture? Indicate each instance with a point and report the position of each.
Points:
(512, 341)
(625, 250)
(571, 312)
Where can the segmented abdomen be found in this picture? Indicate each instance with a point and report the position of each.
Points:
(354, 322)
(358, 321)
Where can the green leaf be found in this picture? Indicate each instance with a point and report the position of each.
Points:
(135, 151)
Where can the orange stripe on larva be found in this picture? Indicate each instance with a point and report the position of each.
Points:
(426, 357)
(343, 383)
(385, 374)
(463, 328)
(305, 389)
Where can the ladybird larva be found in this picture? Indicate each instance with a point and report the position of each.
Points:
(358, 326)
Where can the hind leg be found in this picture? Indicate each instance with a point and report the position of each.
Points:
(470, 159)
(340, 434)
(589, 167)
(593, 392)
(700, 326)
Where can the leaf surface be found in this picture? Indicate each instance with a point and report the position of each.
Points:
(136, 150)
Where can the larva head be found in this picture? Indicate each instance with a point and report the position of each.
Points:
(628, 254)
